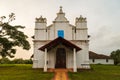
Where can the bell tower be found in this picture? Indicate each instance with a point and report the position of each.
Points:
(82, 38)
(40, 28)
(81, 28)
(40, 35)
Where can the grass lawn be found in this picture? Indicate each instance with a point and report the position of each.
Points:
(99, 72)
(22, 72)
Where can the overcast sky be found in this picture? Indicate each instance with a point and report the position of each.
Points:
(103, 18)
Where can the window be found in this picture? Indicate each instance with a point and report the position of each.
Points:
(61, 33)
(106, 60)
(93, 60)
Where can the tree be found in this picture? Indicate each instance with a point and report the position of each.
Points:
(116, 56)
(11, 36)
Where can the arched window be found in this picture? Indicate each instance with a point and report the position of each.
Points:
(61, 33)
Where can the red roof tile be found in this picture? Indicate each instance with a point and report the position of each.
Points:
(58, 41)
(93, 55)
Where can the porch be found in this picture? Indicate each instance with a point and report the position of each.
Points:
(60, 54)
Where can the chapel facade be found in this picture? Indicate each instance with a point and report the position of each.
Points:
(61, 45)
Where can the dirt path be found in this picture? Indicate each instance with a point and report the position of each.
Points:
(61, 74)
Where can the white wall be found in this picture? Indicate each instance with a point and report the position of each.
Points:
(82, 55)
(38, 59)
(40, 31)
(81, 34)
(101, 61)
(51, 58)
(60, 26)
(38, 36)
(51, 31)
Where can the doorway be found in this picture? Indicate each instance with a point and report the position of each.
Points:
(60, 58)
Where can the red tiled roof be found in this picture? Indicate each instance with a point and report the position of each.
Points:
(93, 55)
(58, 41)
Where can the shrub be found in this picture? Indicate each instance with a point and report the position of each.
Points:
(118, 64)
(15, 61)
(99, 64)
(21, 61)
(28, 61)
(5, 61)
(18, 61)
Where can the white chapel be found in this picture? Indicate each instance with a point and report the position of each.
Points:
(61, 44)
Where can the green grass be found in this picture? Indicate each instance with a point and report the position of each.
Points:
(22, 72)
(99, 72)
(25, 72)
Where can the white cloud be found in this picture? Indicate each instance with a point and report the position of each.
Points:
(102, 16)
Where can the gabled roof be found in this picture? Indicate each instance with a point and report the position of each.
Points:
(93, 55)
(58, 41)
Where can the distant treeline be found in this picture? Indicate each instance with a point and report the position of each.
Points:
(15, 61)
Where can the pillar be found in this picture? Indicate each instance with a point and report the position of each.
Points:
(74, 61)
(45, 65)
